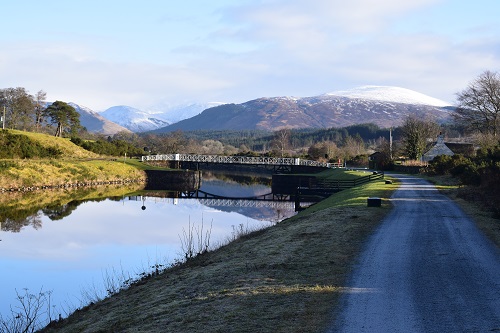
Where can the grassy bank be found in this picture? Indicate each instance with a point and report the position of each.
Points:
(69, 165)
(67, 149)
(286, 278)
(28, 173)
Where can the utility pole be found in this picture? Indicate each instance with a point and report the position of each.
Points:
(390, 142)
(3, 118)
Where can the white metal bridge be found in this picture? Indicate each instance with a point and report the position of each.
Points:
(276, 161)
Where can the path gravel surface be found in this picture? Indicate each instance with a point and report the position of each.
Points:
(426, 269)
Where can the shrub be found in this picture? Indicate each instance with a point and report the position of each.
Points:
(469, 174)
(5, 165)
(440, 165)
(21, 146)
(76, 140)
(113, 148)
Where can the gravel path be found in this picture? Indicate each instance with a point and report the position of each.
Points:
(426, 269)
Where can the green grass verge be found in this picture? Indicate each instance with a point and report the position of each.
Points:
(357, 196)
(76, 165)
(28, 173)
(338, 174)
(144, 166)
(342, 174)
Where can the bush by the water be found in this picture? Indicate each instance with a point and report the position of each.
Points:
(21, 146)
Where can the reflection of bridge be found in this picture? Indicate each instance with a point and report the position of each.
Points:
(241, 160)
(268, 200)
(247, 203)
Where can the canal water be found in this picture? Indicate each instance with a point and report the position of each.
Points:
(78, 249)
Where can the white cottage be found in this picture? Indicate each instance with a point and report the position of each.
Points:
(440, 148)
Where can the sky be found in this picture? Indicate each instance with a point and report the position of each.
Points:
(152, 53)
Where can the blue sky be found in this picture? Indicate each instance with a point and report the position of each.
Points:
(144, 53)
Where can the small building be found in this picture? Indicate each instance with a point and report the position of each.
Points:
(374, 160)
(447, 148)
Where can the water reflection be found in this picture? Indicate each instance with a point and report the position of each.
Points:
(66, 241)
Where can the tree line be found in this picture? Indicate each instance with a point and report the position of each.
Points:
(23, 111)
(476, 114)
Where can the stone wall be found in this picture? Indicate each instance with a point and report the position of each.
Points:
(176, 180)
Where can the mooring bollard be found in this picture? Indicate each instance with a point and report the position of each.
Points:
(374, 202)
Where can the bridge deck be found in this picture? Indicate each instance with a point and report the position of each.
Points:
(239, 160)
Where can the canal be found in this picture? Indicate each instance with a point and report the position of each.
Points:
(81, 249)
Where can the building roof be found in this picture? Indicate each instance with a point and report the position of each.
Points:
(447, 148)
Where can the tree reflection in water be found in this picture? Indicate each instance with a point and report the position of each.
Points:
(98, 228)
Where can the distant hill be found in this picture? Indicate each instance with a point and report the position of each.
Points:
(383, 106)
(153, 118)
(390, 94)
(133, 119)
(96, 123)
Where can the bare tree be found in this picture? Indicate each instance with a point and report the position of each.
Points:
(281, 141)
(39, 103)
(323, 150)
(212, 147)
(479, 104)
(415, 134)
(352, 146)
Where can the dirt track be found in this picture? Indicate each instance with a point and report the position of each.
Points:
(426, 269)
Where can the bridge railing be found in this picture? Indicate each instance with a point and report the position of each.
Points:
(239, 160)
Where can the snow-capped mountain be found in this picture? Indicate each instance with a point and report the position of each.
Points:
(96, 123)
(383, 106)
(175, 113)
(390, 94)
(154, 117)
(134, 119)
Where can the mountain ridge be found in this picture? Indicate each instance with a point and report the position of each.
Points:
(133, 119)
(384, 106)
(390, 94)
(154, 117)
(322, 111)
(96, 123)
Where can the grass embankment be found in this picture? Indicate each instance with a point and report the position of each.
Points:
(50, 172)
(341, 174)
(68, 149)
(286, 278)
(72, 165)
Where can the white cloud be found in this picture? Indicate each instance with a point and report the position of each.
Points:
(268, 48)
